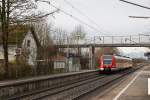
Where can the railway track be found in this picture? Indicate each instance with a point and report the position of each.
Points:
(82, 89)
(74, 90)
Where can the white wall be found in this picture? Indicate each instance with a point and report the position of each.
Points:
(11, 52)
(59, 64)
(32, 49)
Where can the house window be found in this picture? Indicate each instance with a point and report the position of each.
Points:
(28, 43)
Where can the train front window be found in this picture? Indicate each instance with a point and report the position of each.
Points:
(107, 61)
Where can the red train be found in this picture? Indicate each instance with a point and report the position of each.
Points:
(109, 62)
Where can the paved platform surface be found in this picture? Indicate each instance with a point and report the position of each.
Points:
(131, 87)
(137, 88)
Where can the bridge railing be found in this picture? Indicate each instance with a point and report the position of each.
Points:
(131, 39)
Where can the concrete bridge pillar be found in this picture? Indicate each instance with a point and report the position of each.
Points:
(92, 58)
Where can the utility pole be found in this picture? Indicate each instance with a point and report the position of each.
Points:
(78, 38)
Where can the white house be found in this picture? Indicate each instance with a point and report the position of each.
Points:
(27, 44)
(30, 47)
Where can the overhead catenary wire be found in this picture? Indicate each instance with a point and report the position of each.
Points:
(142, 17)
(75, 18)
(83, 14)
(135, 4)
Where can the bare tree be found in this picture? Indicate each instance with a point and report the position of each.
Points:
(106, 51)
(60, 36)
(43, 31)
(77, 35)
(17, 11)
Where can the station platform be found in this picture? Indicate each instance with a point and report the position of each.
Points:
(133, 87)
(138, 88)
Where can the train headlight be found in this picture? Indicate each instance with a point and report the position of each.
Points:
(101, 69)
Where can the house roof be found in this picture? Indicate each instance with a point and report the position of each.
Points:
(16, 34)
(58, 58)
(35, 37)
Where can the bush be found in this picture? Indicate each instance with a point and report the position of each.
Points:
(19, 71)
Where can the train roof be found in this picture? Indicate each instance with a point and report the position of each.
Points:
(118, 57)
(122, 57)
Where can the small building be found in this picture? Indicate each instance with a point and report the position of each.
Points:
(74, 63)
(59, 61)
(21, 43)
(70, 64)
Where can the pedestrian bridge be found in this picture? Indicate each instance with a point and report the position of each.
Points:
(141, 40)
(101, 45)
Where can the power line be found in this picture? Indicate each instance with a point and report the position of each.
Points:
(135, 4)
(139, 17)
(83, 14)
(75, 18)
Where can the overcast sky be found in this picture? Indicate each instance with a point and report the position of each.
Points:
(111, 16)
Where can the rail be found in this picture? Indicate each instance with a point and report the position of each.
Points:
(23, 86)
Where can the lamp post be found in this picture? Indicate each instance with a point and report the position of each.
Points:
(78, 37)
